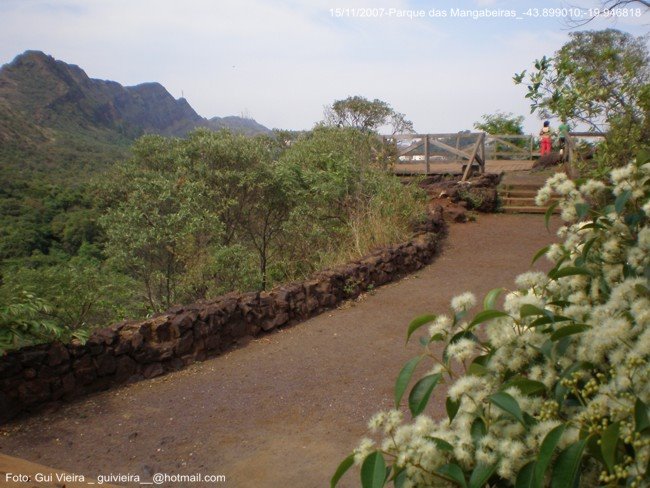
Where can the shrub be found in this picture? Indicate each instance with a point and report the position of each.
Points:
(27, 321)
(554, 390)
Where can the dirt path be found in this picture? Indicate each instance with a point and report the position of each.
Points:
(284, 410)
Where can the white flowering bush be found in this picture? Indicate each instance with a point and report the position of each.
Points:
(552, 388)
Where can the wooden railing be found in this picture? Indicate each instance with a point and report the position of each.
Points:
(465, 152)
(467, 149)
(500, 147)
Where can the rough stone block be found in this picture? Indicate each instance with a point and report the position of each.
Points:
(106, 364)
(184, 321)
(34, 391)
(184, 344)
(152, 370)
(125, 367)
(57, 354)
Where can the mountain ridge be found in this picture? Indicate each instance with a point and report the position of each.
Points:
(52, 109)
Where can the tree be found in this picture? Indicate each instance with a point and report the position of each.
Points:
(267, 213)
(345, 203)
(598, 79)
(172, 206)
(361, 113)
(610, 6)
(501, 123)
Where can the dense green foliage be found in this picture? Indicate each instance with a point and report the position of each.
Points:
(189, 219)
(599, 80)
(554, 390)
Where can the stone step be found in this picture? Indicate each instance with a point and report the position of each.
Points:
(507, 200)
(518, 193)
(517, 201)
(532, 209)
(520, 198)
(520, 186)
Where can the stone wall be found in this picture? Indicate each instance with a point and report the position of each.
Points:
(131, 351)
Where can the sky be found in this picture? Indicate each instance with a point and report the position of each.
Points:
(281, 61)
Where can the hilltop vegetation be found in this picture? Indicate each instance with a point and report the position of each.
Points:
(185, 219)
(121, 201)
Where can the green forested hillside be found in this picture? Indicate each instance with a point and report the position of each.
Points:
(184, 219)
(112, 206)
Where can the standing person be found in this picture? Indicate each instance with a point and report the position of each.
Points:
(545, 139)
(563, 132)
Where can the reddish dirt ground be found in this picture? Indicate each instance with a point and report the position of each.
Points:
(287, 408)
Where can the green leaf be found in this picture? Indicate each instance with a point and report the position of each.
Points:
(548, 319)
(608, 444)
(400, 478)
(593, 225)
(452, 407)
(404, 378)
(441, 444)
(342, 469)
(566, 470)
(587, 247)
(434, 338)
(540, 253)
(526, 476)
(528, 310)
(508, 404)
(373, 471)
(549, 211)
(569, 330)
(582, 209)
(621, 200)
(454, 473)
(525, 386)
(568, 271)
(419, 396)
(641, 420)
(417, 323)
(491, 298)
(486, 315)
(481, 475)
(546, 453)
(478, 430)
(476, 368)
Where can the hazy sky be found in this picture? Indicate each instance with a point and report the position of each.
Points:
(281, 61)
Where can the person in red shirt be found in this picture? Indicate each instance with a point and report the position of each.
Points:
(545, 139)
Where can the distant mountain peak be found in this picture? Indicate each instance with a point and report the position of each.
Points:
(57, 94)
(53, 112)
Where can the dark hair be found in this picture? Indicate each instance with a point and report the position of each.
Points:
(546, 123)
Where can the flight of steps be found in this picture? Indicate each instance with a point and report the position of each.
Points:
(520, 198)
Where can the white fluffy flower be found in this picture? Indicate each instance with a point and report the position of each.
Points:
(531, 279)
(463, 302)
(592, 187)
(462, 349)
(441, 325)
(365, 447)
(543, 196)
